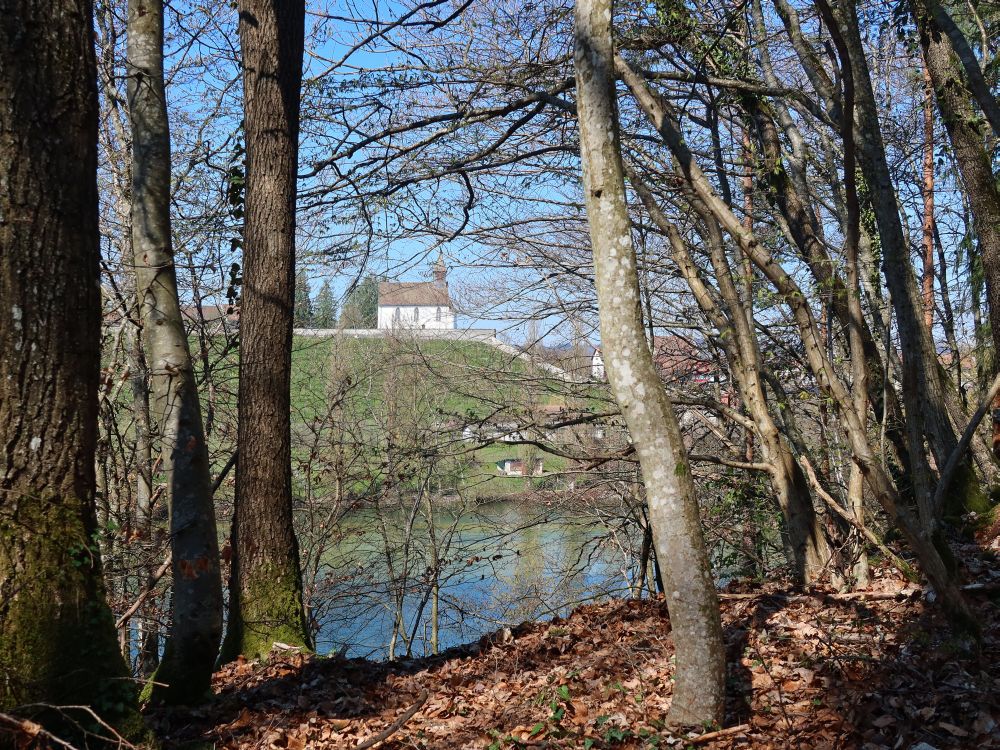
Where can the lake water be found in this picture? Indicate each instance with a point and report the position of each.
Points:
(500, 564)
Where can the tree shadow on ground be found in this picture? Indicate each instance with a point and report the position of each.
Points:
(806, 670)
(875, 671)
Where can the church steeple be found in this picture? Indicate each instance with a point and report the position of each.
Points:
(440, 270)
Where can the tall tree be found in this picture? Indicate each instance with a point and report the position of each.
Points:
(928, 399)
(968, 139)
(57, 638)
(664, 117)
(303, 315)
(361, 304)
(196, 603)
(699, 690)
(265, 590)
(326, 307)
(925, 388)
(803, 534)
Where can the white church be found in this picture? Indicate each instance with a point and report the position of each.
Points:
(417, 305)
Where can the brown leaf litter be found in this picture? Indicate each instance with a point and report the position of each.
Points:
(807, 669)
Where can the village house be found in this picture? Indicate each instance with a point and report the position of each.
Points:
(676, 359)
(217, 319)
(516, 467)
(417, 305)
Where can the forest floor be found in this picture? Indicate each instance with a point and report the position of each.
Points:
(807, 669)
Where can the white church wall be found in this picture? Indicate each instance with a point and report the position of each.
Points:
(420, 316)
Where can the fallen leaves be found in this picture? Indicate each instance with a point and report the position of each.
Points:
(805, 670)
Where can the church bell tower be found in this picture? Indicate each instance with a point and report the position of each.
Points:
(440, 271)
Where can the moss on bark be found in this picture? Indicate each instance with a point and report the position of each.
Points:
(57, 635)
(966, 493)
(269, 611)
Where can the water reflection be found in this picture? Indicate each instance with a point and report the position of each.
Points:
(498, 564)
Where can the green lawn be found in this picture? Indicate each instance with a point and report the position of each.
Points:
(367, 392)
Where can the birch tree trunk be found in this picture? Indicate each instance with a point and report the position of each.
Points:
(192, 645)
(699, 688)
(265, 589)
(57, 637)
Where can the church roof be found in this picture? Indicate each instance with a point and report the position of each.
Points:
(412, 293)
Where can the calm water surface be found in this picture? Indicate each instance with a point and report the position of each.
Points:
(501, 564)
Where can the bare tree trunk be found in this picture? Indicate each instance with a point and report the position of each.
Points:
(803, 535)
(699, 690)
(924, 382)
(57, 639)
(927, 223)
(196, 604)
(662, 116)
(976, 83)
(788, 196)
(265, 589)
(857, 325)
(948, 317)
(967, 140)
(149, 634)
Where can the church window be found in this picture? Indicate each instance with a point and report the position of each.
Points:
(416, 314)
(437, 315)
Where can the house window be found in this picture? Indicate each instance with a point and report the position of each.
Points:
(416, 314)
(437, 315)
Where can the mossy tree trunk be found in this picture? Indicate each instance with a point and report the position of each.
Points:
(968, 137)
(699, 688)
(185, 672)
(265, 589)
(57, 636)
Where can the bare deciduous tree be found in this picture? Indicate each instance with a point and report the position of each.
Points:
(699, 689)
(265, 590)
(185, 671)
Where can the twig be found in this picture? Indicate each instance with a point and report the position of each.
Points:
(835, 596)
(29, 729)
(394, 727)
(157, 575)
(985, 588)
(225, 471)
(846, 596)
(113, 735)
(709, 736)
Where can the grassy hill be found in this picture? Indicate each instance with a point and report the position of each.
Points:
(357, 401)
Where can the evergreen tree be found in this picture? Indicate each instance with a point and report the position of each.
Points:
(361, 305)
(303, 301)
(326, 308)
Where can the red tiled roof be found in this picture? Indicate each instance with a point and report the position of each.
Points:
(677, 357)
